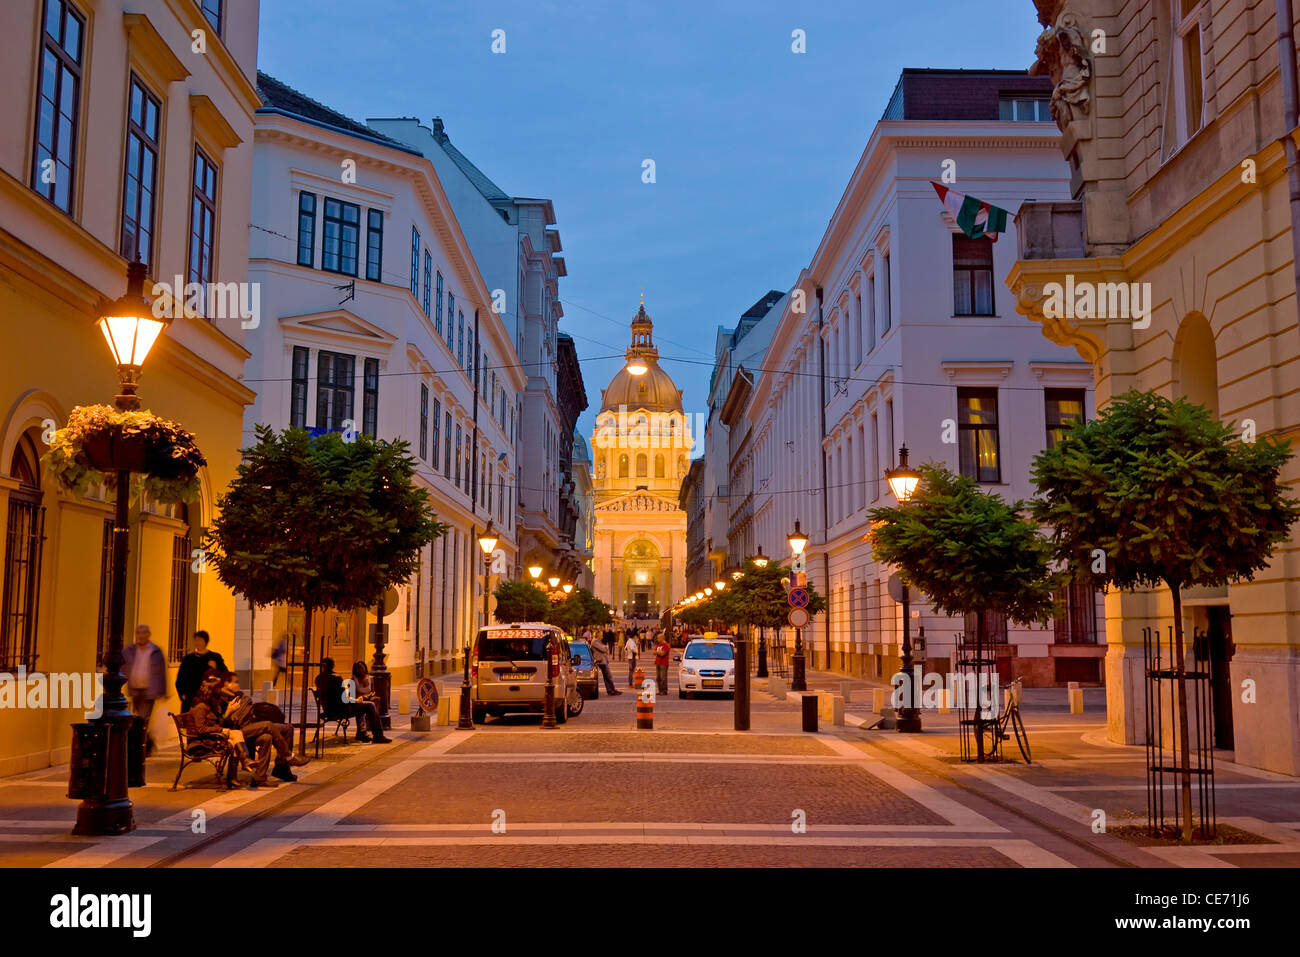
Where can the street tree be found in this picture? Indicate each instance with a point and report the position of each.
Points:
(520, 601)
(1158, 492)
(318, 522)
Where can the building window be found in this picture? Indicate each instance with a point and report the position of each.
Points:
(460, 340)
(437, 315)
(138, 190)
(446, 458)
(1077, 624)
(1025, 109)
(659, 466)
(370, 398)
(972, 276)
(212, 10)
(466, 473)
(886, 307)
(24, 543)
(334, 390)
(105, 590)
(203, 220)
(1185, 110)
(977, 434)
(298, 395)
(306, 229)
(995, 627)
(428, 276)
(437, 414)
(178, 609)
(641, 466)
(415, 262)
(375, 245)
(339, 239)
(1064, 406)
(458, 451)
(622, 466)
(451, 318)
(58, 106)
(424, 423)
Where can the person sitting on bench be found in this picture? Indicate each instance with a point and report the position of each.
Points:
(329, 686)
(238, 713)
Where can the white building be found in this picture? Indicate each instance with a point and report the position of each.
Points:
(519, 253)
(375, 317)
(908, 336)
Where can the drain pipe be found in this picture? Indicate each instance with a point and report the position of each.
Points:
(826, 509)
(1286, 57)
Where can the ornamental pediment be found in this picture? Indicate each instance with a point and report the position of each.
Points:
(638, 502)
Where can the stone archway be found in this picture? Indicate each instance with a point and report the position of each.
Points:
(1196, 365)
(638, 593)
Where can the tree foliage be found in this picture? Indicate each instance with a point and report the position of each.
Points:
(520, 601)
(757, 598)
(1166, 493)
(577, 610)
(967, 549)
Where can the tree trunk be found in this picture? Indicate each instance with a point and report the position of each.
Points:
(1180, 677)
(979, 692)
(306, 659)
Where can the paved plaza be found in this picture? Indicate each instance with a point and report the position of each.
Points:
(692, 792)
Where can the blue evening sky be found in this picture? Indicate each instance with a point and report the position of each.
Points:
(752, 143)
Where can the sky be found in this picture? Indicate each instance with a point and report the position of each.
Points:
(752, 143)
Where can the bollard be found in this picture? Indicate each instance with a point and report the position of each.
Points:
(404, 701)
(877, 700)
(837, 709)
(810, 712)
(1076, 700)
(645, 712)
(638, 677)
(846, 691)
(777, 688)
(945, 701)
(825, 707)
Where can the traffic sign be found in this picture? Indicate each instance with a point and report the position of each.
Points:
(896, 587)
(800, 564)
(798, 598)
(427, 694)
(798, 618)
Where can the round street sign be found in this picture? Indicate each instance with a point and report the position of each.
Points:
(390, 601)
(427, 693)
(798, 618)
(798, 598)
(895, 587)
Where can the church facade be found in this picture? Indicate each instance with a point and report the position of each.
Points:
(640, 451)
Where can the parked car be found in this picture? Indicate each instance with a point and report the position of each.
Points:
(508, 671)
(584, 669)
(708, 665)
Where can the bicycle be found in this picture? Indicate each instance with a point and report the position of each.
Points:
(996, 729)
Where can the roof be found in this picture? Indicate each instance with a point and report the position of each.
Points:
(490, 190)
(279, 97)
(941, 94)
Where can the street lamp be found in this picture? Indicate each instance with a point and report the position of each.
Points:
(760, 560)
(568, 588)
(707, 590)
(799, 679)
(554, 582)
(737, 575)
(130, 329)
(903, 482)
(535, 572)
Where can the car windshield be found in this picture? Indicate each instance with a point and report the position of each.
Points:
(580, 648)
(529, 645)
(710, 649)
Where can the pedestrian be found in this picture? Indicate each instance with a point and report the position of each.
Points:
(193, 667)
(631, 649)
(239, 712)
(600, 658)
(662, 652)
(278, 659)
(146, 678)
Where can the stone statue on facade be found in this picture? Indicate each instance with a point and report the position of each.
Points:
(1062, 52)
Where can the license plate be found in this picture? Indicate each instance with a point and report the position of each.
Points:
(515, 677)
(712, 682)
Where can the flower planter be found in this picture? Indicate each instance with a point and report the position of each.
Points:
(110, 451)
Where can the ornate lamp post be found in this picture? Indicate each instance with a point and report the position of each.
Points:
(760, 561)
(487, 542)
(903, 482)
(131, 329)
(799, 679)
(535, 572)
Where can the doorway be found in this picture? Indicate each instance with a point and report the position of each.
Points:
(1218, 641)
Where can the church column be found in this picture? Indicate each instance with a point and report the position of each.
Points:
(665, 577)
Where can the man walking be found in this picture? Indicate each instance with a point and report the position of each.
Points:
(193, 667)
(146, 678)
(630, 648)
(662, 652)
(600, 658)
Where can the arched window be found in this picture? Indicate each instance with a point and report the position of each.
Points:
(622, 466)
(642, 466)
(659, 466)
(21, 576)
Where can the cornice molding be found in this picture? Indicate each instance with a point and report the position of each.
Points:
(150, 52)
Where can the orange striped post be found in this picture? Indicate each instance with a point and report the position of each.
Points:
(645, 711)
(638, 677)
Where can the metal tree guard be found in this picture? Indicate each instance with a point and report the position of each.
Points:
(1160, 691)
(977, 669)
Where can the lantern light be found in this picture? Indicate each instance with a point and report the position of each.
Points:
(488, 540)
(903, 480)
(131, 327)
(798, 540)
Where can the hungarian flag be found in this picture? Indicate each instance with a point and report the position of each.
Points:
(975, 217)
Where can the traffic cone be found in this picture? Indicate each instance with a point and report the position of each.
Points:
(645, 712)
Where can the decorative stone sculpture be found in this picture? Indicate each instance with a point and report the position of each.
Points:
(1062, 52)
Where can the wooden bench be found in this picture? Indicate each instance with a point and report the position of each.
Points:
(341, 722)
(212, 747)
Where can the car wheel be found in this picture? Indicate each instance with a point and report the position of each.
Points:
(595, 692)
(581, 703)
(479, 715)
(683, 694)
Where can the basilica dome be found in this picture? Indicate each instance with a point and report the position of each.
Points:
(653, 391)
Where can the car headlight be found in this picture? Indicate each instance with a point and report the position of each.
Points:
(688, 671)
(731, 670)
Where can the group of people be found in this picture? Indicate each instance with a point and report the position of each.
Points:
(631, 647)
(210, 694)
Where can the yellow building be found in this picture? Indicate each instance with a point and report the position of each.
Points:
(640, 452)
(145, 152)
(1173, 118)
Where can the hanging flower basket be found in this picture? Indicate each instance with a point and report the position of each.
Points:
(99, 441)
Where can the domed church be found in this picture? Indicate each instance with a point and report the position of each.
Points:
(640, 451)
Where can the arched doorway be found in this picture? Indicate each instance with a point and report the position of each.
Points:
(640, 592)
(1196, 366)
(21, 579)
